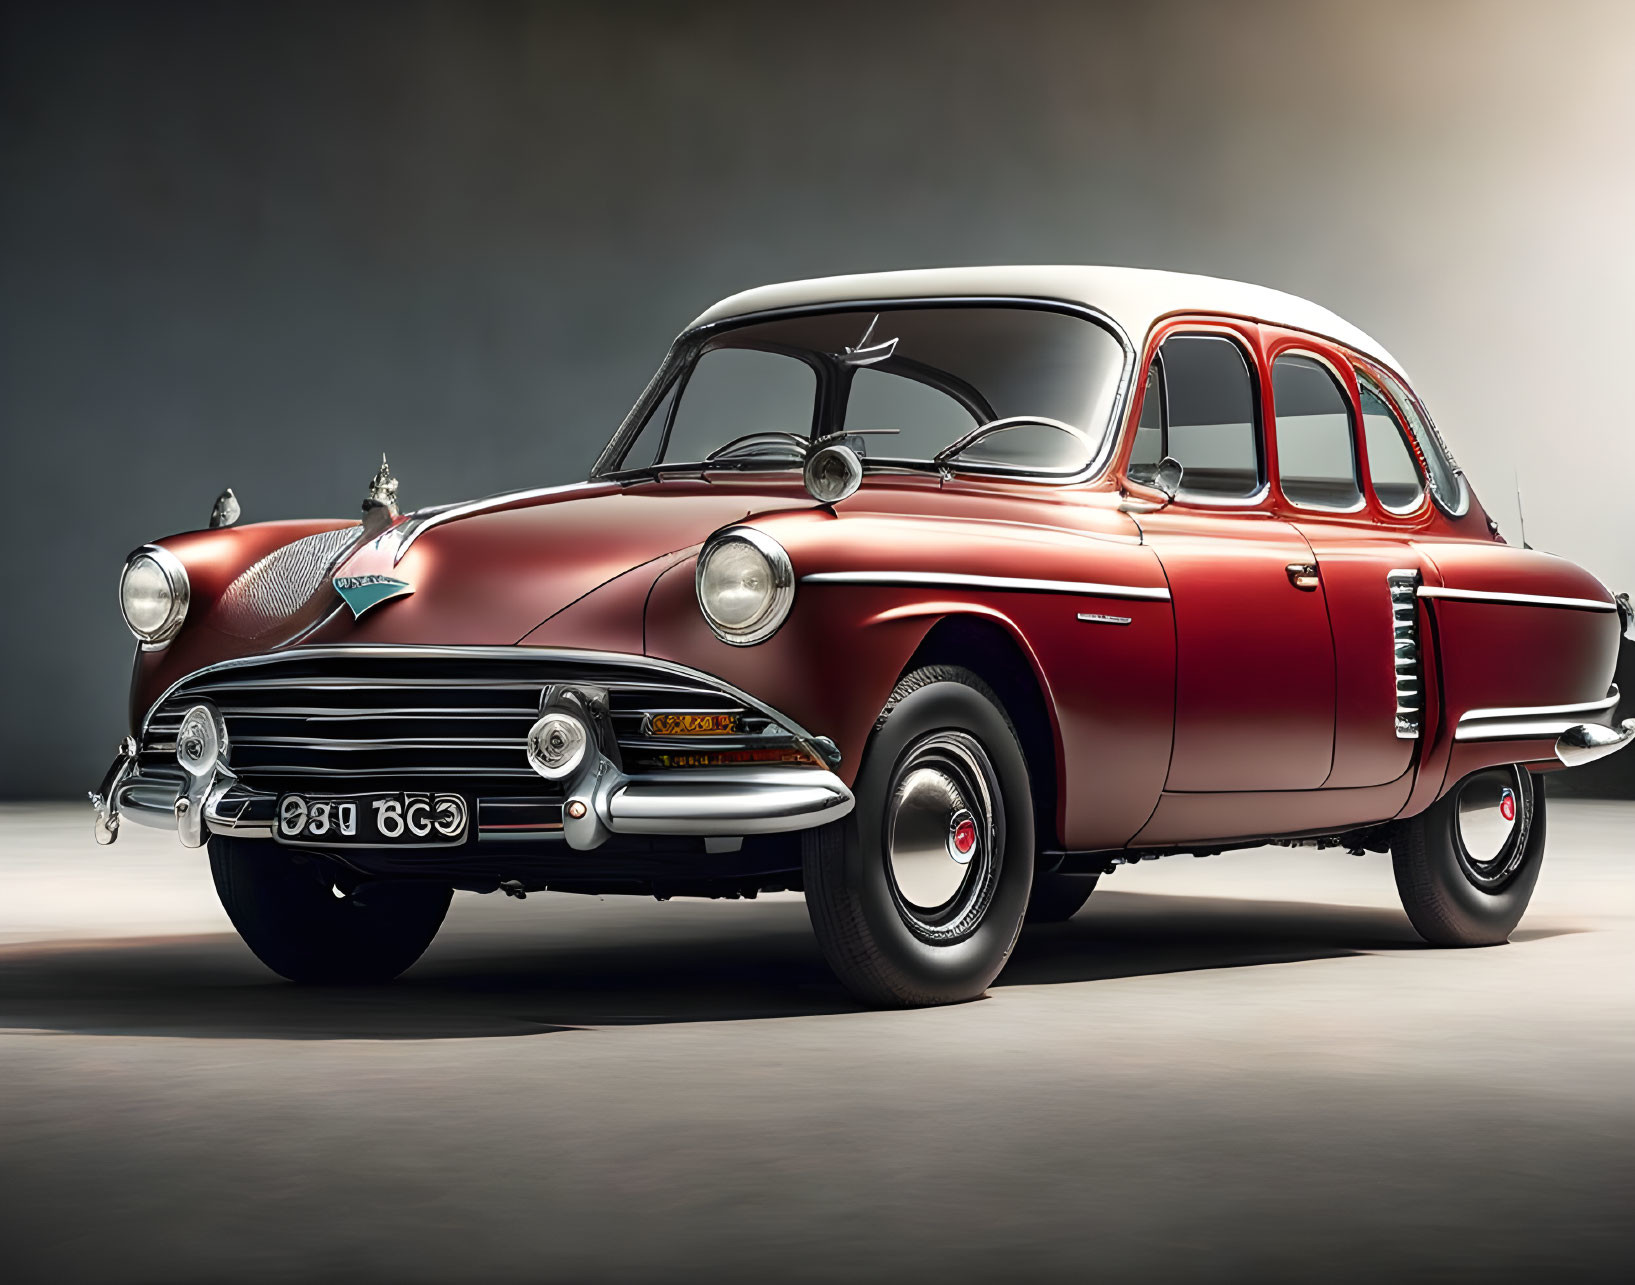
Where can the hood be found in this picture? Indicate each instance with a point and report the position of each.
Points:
(488, 574)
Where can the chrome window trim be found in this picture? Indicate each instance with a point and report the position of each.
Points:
(1514, 599)
(1353, 419)
(619, 445)
(1364, 377)
(937, 579)
(1262, 455)
(783, 585)
(181, 589)
(1396, 386)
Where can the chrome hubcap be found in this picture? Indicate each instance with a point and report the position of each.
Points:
(933, 838)
(1491, 820)
(941, 844)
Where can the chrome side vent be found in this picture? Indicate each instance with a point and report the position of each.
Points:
(1404, 587)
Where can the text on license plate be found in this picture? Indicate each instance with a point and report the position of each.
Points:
(408, 820)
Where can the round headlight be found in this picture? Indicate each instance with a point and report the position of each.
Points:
(746, 585)
(153, 593)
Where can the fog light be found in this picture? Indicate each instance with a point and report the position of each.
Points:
(200, 740)
(556, 744)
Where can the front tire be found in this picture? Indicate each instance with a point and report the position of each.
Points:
(1466, 866)
(917, 896)
(297, 925)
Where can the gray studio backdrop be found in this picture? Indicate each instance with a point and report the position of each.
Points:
(259, 244)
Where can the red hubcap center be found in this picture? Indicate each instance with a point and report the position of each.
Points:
(1507, 806)
(965, 836)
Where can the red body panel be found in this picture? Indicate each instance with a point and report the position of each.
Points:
(1254, 705)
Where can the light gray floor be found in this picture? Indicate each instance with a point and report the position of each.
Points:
(1236, 1069)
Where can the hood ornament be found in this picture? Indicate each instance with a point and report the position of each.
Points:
(226, 510)
(380, 504)
(382, 490)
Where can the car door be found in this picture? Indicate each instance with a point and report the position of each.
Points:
(1255, 677)
(1359, 533)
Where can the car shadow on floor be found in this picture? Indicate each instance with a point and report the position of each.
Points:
(564, 977)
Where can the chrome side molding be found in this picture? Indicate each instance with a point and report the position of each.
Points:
(1514, 599)
(941, 580)
(1587, 742)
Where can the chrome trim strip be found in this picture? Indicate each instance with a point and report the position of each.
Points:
(938, 579)
(405, 533)
(1520, 599)
(1529, 722)
(1542, 711)
(1520, 730)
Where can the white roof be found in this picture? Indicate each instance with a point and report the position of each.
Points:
(1134, 297)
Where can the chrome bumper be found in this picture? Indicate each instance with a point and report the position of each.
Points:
(708, 803)
(1568, 728)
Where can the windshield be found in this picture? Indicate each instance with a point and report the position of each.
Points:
(903, 384)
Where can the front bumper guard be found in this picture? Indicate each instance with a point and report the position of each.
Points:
(707, 803)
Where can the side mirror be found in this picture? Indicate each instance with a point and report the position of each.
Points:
(1167, 477)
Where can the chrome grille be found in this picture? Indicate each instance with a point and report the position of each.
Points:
(362, 718)
(1404, 588)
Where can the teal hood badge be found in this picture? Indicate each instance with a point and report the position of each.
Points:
(363, 592)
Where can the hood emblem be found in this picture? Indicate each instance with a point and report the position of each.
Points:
(363, 592)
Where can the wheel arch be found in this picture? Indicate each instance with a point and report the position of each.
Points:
(990, 648)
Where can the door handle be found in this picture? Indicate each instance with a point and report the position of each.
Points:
(1303, 575)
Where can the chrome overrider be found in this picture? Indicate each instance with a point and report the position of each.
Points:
(206, 797)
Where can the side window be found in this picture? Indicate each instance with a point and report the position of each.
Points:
(1147, 451)
(1316, 461)
(733, 392)
(926, 418)
(1209, 417)
(1390, 459)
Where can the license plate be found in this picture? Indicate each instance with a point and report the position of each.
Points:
(371, 820)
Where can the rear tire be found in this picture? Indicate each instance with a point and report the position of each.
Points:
(289, 914)
(1057, 898)
(917, 896)
(1465, 870)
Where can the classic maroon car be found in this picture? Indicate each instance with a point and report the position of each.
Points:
(934, 595)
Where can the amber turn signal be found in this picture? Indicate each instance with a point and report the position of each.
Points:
(692, 724)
